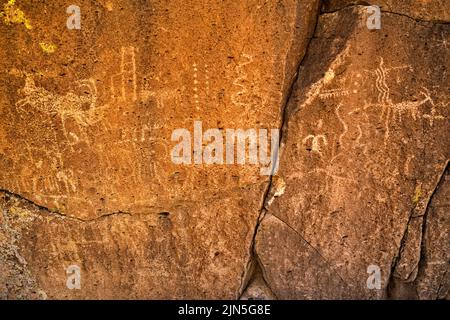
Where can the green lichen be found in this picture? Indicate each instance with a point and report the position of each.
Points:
(13, 15)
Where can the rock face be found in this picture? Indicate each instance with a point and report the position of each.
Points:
(88, 127)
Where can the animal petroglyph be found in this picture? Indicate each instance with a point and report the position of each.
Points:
(391, 111)
(66, 106)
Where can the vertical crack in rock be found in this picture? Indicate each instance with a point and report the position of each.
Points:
(254, 264)
(426, 212)
(394, 282)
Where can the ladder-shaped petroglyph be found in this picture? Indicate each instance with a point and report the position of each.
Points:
(334, 93)
(124, 84)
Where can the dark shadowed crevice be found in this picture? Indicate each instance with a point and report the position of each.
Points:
(396, 288)
(254, 264)
(58, 214)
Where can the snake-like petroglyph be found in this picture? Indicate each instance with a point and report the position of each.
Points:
(238, 98)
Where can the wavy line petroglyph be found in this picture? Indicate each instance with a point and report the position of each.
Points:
(240, 81)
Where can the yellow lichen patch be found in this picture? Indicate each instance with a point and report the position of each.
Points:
(329, 75)
(417, 194)
(47, 47)
(19, 212)
(13, 15)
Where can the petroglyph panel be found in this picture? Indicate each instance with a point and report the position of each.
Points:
(86, 133)
(367, 133)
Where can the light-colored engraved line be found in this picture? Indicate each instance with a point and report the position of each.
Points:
(207, 79)
(334, 93)
(360, 134)
(315, 142)
(407, 164)
(343, 124)
(65, 106)
(433, 115)
(316, 88)
(196, 92)
(443, 42)
(127, 69)
(242, 77)
(329, 175)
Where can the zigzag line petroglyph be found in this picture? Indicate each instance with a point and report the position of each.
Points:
(242, 77)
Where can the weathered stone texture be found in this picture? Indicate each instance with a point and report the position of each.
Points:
(86, 175)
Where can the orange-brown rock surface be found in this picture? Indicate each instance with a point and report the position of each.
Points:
(88, 123)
